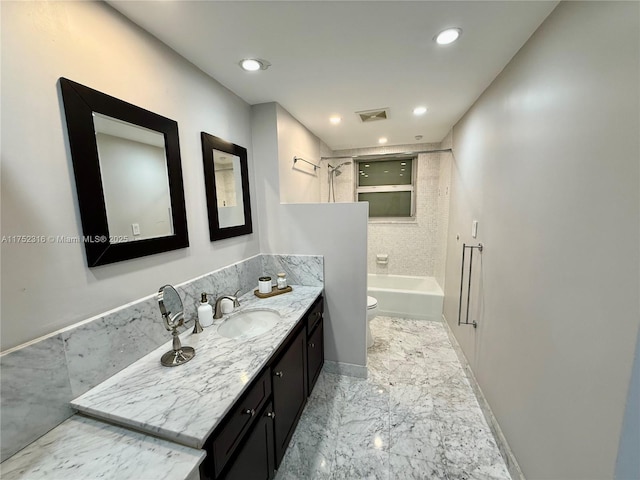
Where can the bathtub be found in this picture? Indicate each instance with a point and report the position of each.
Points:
(406, 296)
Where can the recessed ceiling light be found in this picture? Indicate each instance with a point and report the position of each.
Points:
(367, 165)
(254, 64)
(335, 119)
(448, 36)
(382, 140)
(420, 110)
(403, 163)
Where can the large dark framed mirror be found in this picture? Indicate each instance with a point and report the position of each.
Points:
(226, 177)
(128, 173)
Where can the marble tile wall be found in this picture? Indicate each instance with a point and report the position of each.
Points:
(342, 184)
(41, 377)
(414, 247)
(300, 269)
(444, 186)
(35, 393)
(411, 246)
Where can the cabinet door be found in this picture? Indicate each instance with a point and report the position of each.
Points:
(255, 458)
(289, 391)
(236, 424)
(315, 355)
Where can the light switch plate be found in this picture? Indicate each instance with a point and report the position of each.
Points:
(136, 228)
(474, 229)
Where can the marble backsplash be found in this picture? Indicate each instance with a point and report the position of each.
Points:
(41, 377)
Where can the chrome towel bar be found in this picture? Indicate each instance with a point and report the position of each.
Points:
(464, 249)
(295, 159)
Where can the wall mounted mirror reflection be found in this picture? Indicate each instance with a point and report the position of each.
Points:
(128, 172)
(227, 184)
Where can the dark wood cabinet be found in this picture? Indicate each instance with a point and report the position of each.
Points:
(315, 354)
(255, 460)
(314, 315)
(289, 391)
(253, 437)
(237, 422)
(315, 342)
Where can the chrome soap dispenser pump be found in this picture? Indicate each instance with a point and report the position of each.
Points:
(205, 312)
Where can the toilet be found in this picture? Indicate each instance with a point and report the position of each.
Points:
(372, 311)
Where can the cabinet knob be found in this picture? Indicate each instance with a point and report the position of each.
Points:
(250, 411)
(271, 414)
(279, 374)
(312, 345)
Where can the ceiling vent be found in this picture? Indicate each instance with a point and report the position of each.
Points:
(373, 115)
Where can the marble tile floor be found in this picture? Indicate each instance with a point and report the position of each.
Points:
(415, 417)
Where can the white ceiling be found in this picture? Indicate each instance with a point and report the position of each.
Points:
(342, 57)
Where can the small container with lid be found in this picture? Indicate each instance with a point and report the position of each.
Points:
(264, 284)
(282, 281)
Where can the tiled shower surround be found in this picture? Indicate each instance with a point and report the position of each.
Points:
(41, 377)
(415, 247)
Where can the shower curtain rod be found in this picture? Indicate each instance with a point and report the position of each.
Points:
(375, 155)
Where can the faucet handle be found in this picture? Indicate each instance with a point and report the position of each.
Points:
(236, 302)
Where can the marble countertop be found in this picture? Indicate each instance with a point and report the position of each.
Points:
(82, 448)
(184, 404)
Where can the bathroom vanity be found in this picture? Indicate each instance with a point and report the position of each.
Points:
(252, 439)
(238, 399)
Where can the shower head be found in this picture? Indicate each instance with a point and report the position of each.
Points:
(341, 165)
(333, 173)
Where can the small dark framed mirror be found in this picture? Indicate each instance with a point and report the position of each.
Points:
(226, 177)
(128, 172)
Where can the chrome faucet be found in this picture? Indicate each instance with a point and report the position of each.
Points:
(218, 308)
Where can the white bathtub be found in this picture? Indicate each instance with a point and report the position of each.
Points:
(406, 296)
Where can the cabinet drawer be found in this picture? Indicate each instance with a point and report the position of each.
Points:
(239, 420)
(315, 314)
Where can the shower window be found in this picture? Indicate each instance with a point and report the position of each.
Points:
(388, 186)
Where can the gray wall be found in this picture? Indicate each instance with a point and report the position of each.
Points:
(628, 465)
(547, 161)
(336, 231)
(48, 286)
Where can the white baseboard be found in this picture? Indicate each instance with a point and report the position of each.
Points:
(348, 369)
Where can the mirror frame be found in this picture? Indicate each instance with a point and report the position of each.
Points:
(79, 104)
(209, 144)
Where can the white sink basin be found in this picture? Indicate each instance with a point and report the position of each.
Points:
(249, 323)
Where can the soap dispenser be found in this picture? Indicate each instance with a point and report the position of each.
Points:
(205, 312)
